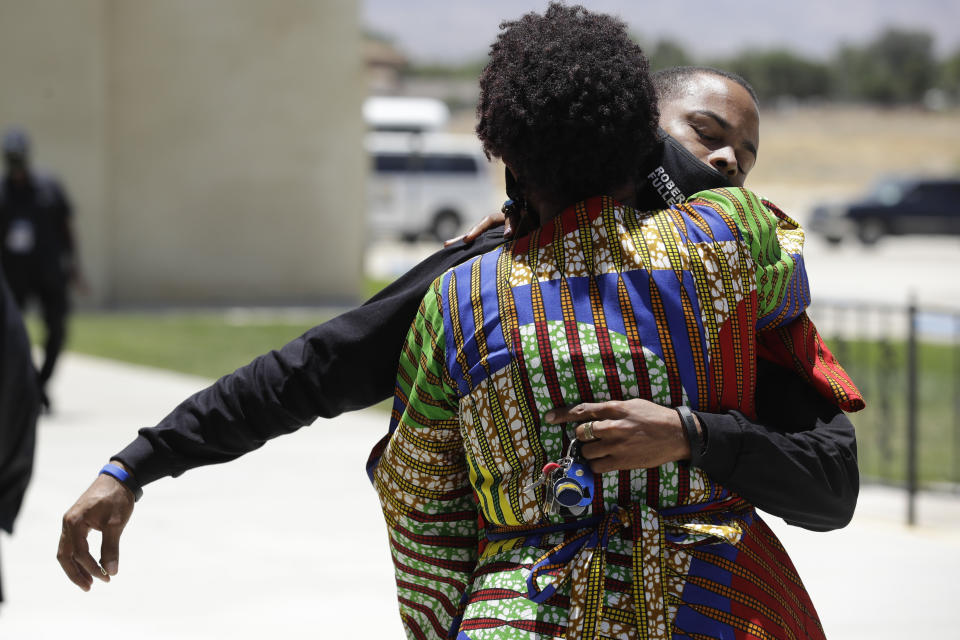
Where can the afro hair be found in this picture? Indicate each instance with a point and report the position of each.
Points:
(567, 101)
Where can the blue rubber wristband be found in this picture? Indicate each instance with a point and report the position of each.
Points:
(124, 478)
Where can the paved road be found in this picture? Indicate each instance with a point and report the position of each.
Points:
(288, 541)
(886, 273)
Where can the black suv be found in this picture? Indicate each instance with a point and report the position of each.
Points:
(894, 206)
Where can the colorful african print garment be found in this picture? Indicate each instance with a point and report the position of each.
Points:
(600, 303)
(799, 346)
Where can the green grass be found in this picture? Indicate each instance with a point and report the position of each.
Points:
(206, 343)
(880, 371)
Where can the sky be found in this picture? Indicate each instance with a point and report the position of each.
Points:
(459, 30)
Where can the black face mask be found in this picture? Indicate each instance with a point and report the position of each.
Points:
(671, 176)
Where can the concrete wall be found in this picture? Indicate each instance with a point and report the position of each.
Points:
(213, 147)
(53, 82)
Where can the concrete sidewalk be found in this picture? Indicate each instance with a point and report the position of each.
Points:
(289, 541)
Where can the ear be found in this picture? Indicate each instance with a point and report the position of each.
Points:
(513, 187)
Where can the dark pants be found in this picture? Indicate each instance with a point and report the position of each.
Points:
(51, 294)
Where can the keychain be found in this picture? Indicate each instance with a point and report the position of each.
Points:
(568, 483)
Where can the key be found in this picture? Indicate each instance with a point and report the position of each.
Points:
(548, 471)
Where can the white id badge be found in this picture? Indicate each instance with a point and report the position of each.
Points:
(20, 237)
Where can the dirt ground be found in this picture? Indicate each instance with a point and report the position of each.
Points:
(813, 154)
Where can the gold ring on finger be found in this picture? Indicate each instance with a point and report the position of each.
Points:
(588, 431)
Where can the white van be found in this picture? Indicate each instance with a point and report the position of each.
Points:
(427, 183)
(402, 113)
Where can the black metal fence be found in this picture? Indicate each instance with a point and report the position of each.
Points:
(906, 361)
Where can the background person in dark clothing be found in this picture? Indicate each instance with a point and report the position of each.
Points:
(38, 248)
(19, 407)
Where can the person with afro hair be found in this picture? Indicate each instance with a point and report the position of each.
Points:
(498, 525)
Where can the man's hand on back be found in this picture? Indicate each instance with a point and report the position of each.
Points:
(489, 222)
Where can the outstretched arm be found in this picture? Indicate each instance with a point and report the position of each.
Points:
(347, 363)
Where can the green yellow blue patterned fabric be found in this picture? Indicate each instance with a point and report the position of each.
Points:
(601, 303)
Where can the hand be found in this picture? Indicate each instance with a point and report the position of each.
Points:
(489, 222)
(627, 434)
(106, 506)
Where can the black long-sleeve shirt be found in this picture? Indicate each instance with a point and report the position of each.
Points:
(797, 462)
